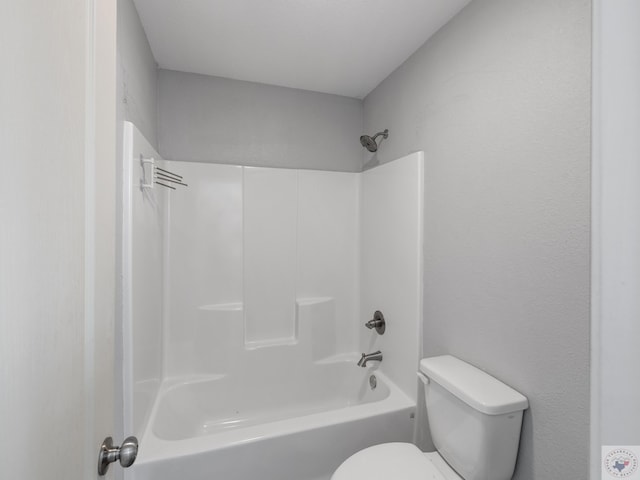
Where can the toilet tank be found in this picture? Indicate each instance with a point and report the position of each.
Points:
(474, 419)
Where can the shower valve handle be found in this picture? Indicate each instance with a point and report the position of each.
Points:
(377, 322)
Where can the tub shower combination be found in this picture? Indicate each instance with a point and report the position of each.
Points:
(245, 301)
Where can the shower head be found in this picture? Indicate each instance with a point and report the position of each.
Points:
(370, 142)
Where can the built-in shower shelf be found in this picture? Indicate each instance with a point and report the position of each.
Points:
(271, 342)
(222, 307)
(308, 301)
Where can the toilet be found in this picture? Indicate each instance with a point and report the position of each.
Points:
(475, 423)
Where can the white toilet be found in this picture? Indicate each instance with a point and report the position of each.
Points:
(475, 423)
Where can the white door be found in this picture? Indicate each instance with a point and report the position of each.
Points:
(57, 236)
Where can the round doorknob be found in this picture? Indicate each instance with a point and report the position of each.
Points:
(108, 454)
(128, 451)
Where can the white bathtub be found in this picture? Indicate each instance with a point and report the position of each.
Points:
(266, 425)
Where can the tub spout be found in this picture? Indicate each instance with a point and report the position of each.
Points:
(367, 357)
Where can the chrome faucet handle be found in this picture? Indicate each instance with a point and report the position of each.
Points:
(377, 322)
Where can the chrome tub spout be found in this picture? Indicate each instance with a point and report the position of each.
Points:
(367, 357)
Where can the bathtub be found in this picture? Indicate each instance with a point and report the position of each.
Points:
(269, 426)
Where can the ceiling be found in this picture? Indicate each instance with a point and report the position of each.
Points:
(344, 47)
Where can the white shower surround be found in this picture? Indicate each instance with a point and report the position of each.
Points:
(263, 282)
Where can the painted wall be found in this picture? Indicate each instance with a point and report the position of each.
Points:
(136, 74)
(212, 119)
(499, 100)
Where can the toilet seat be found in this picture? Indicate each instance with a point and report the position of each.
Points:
(398, 461)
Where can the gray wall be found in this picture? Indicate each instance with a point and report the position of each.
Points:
(212, 119)
(137, 76)
(499, 100)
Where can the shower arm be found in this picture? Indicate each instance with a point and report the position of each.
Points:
(384, 134)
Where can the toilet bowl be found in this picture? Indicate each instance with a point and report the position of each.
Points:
(475, 422)
(395, 461)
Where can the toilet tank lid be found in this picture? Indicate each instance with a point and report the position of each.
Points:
(474, 387)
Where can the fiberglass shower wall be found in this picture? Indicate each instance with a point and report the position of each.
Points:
(262, 267)
(261, 273)
(142, 277)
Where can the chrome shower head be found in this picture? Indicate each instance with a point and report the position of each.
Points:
(370, 142)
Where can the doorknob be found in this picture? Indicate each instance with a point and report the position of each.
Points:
(126, 453)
